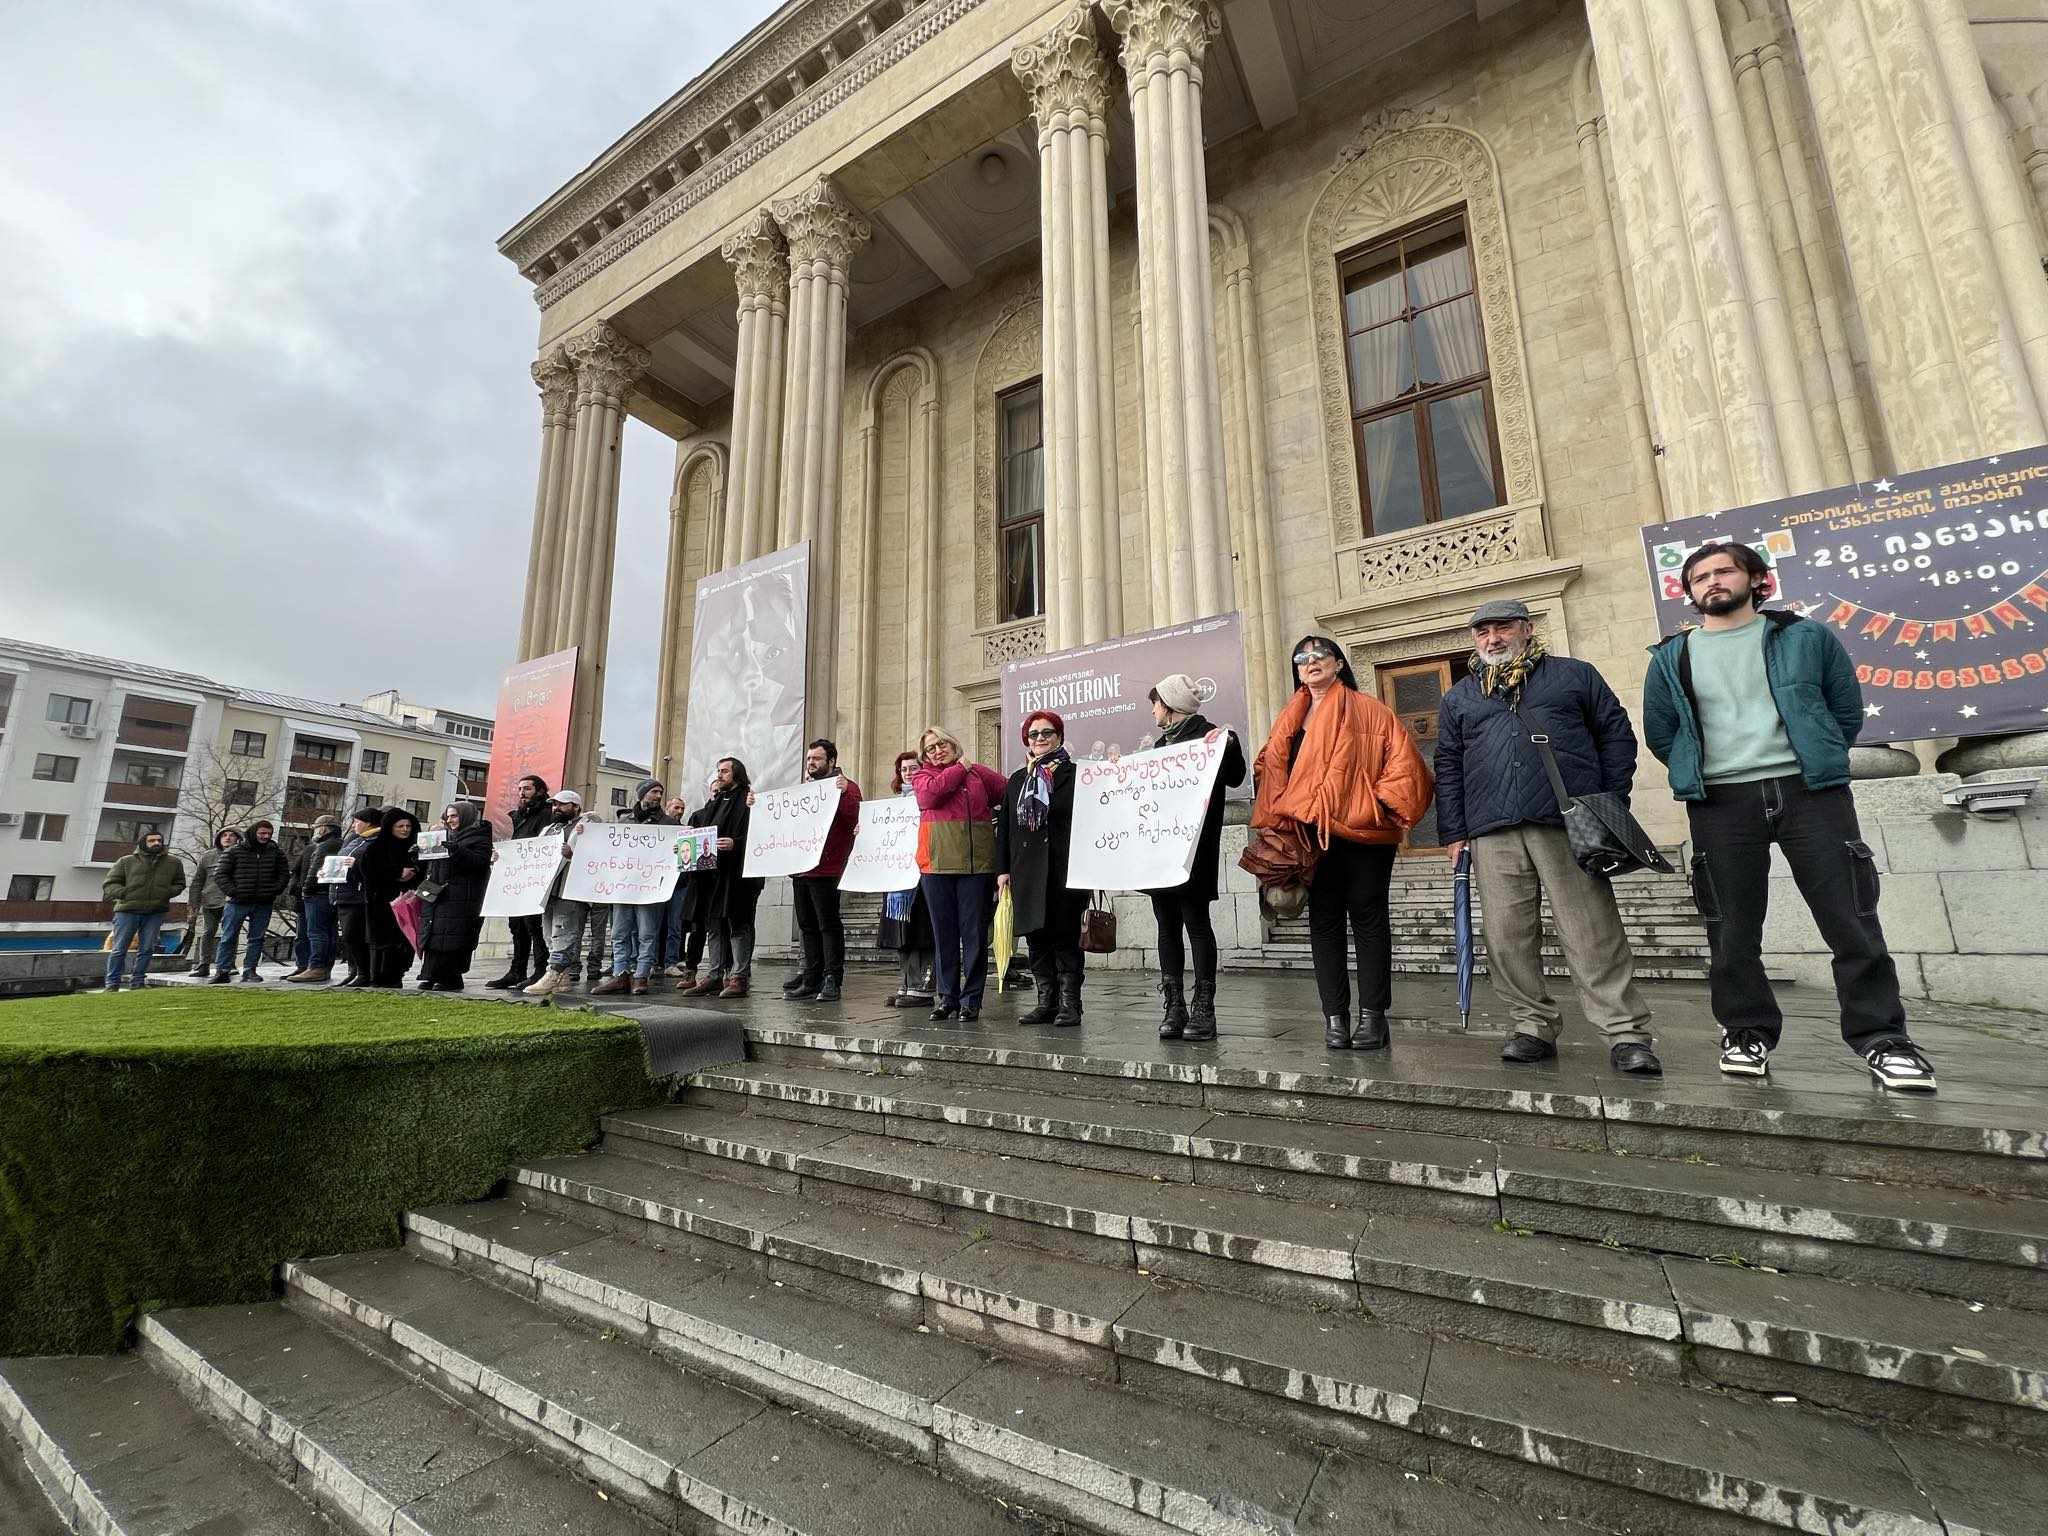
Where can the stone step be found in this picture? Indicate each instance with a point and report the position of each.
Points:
(115, 1451)
(1051, 1441)
(1790, 1124)
(1558, 1440)
(390, 1452)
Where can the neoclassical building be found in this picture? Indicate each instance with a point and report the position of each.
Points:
(1050, 322)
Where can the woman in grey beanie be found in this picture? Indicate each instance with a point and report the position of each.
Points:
(1176, 709)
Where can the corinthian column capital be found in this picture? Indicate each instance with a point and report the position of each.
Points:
(556, 377)
(1160, 29)
(1065, 70)
(606, 363)
(759, 259)
(822, 227)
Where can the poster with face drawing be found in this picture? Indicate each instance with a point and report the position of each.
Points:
(747, 672)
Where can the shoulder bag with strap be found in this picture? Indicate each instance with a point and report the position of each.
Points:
(1606, 839)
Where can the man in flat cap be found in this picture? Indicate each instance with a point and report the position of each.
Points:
(1493, 795)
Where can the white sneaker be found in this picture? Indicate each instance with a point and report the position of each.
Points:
(1745, 1055)
(1899, 1064)
(547, 986)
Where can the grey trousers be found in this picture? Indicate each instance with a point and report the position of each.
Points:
(1512, 868)
(205, 923)
(565, 931)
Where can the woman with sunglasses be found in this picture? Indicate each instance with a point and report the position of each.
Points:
(1341, 764)
(956, 852)
(454, 894)
(1031, 863)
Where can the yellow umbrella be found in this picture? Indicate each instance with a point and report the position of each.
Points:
(1006, 935)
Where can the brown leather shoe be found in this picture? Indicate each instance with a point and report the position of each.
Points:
(735, 986)
(609, 985)
(703, 988)
(638, 987)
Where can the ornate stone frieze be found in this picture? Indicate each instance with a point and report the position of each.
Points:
(1065, 70)
(1443, 551)
(1380, 124)
(1025, 638)
(758, 258)
(822, 228)
(606, 364)
(556, 378)
(1161, 29)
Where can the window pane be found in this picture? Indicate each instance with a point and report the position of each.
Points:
(1382, 368)
(1439, 267)
(1448, 345)
(1373, 296)
(1021, 428)
(1394, 484)
(1023, 558)
(1464, 455)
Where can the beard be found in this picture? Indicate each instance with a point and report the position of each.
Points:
(1723, 603)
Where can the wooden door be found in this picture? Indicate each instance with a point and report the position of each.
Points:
(1412, 690)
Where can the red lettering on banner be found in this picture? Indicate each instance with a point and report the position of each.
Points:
(1843, 615)
(2012, 669)
(1879, 623)
(2009, 615)
(1881, 678)
(1987, 674)
(1904, 679)
(1966, 677)
(2036, 594)
(2034, 664)
(1923, 680)
(1909, 633)
(1944, 629)
(1977, 625)
(1944, 679)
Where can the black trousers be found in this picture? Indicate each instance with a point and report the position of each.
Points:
(1055, 949)
(529, 945)
(819, 929)
(355, 940)
(1350, 891)
(1732, 833)
(1174, 910)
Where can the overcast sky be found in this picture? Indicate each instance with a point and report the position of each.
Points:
(264, 405)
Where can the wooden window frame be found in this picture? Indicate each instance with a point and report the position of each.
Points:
(1417, 401)
(1006, 526)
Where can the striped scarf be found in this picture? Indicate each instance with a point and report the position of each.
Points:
(1034, 805)
(1507, 677)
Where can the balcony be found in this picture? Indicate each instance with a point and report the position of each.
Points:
(120, 792)
(107, 850)
(320, 767)
(138, 733)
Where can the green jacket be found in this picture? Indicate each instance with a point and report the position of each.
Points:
(1813, 682)
(138, 883)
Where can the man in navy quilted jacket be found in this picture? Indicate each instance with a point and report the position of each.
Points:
(1493, 795)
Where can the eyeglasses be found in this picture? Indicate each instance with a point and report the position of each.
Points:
(1046, 733)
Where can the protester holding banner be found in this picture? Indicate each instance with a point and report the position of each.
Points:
(678, 937)
(636, 926)
(725, 899)
(1176, 710)
(389, 867)
(351, 904)
(956, 852)
(455, 898)
(1340, 764)
(906, 922)
(565, 918)
(529, 931)
(1753, 714)
(821, 933)
(1032, 832)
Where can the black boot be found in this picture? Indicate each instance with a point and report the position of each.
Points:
(1048, 1001)
(1070, 1001)
(1202, 1017)
(1371, 1034)
(1337, 1031)
(1173, 1018)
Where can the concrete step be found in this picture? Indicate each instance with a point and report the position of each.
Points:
(1797, 1127)
(114, 1450)
(1558, 1440)
(1046, 1440)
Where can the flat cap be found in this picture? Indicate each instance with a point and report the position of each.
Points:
(1499, 610)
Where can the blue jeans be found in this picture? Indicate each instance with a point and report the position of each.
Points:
(636, 932)
(672, 949)
(141, 930)
(315, 947)
(238, 913)
(959, 906)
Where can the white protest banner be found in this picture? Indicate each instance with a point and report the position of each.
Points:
(1136, 820)
(696, 848)
(884, 856)
(522, 869)
(787, 830)
(625, 862)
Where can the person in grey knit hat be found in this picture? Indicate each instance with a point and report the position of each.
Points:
(636, 926)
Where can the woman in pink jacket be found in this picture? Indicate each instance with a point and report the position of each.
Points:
(956, 851)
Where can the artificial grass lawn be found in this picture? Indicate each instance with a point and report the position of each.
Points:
(173, 1146)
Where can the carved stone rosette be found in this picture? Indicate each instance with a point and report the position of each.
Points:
(606, 364)
(555, 376)
(823, 229)
(1065, 71)
(1168, 31)
(759, 260)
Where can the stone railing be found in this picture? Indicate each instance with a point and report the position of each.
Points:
(1446, 552)
(1007, 642)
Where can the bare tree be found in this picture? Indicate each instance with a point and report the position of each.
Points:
(228, 789)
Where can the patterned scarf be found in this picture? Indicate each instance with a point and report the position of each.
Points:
(1034, 805)
(1506, 678)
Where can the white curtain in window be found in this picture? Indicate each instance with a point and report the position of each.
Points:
(1376, 358)
(1454, 330)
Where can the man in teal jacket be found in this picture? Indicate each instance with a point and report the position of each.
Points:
(1753, 714)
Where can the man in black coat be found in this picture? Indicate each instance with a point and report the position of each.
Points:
(530, 817)
(316, 903)
(252, 875)
(1493, 795)
(1031, 864)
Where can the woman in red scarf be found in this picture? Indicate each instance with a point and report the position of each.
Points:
(1341, 764)
(1031, 860)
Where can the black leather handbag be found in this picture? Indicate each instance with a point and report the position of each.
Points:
(1606, 839)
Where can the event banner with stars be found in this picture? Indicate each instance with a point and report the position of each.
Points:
(1937, 582)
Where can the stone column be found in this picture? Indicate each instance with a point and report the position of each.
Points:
(823, 230)
(557, 381)
(760, 269)
(1942, 251)
(1164, 43)
(606, 365)
(1250, 500)
(1068, 78)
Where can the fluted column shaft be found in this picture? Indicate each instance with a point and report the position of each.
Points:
(1250, 500)
(760, 269)
(557, 382)
(823, 230)
(606, 365)
(1164, 43)
(1068, 77)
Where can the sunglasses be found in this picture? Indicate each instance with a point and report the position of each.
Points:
(1045, 733)
(1304, 656)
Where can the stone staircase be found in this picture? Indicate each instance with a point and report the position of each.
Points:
(932, 1283)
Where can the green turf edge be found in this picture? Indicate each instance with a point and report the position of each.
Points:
(178, 1179)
